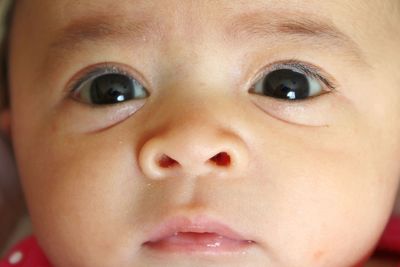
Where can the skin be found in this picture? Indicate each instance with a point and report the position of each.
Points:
(312, 182)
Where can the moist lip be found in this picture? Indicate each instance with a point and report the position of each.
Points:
(200, 235)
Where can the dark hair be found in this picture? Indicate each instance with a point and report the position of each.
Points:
(4, 90)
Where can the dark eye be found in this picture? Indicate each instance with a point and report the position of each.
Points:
(110, 88)
(288, 84)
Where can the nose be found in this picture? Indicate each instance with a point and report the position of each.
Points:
(193, 151)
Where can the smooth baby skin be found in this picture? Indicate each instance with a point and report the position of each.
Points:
(310, 182)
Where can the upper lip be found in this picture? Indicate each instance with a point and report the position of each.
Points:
(200, 224)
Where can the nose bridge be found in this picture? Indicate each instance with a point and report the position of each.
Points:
(193, 138)
(189, 112)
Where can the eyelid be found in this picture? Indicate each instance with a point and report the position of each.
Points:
(299, 66)
(94, 71)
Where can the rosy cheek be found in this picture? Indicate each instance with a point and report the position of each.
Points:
(318, 255)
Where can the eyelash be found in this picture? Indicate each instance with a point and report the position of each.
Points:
(97, 71)
(300, 66)
(293, 64)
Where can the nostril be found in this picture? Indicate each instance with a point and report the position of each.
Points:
(167, 162)
(221, 159)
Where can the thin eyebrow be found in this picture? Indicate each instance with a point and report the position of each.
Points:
(296, 26)
(269, 25)
(97, 28)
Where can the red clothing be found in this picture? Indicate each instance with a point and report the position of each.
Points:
(27, 253)
(390, 241)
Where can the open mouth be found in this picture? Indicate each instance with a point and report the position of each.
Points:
(197, 236)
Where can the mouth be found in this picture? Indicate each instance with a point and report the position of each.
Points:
(201, 235)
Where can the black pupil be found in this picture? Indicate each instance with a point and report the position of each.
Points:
(286, 84)
(111, 88)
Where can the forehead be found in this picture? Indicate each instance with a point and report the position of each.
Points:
(225, 5)
(189, 17)
(234, 5)
(63, 11)
(351, 26)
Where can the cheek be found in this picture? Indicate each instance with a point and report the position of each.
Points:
(77, 188)
(317, 186)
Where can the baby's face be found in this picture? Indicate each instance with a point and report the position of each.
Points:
(136, 120)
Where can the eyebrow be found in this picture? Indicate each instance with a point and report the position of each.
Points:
(242, 28)
(296, 26)
(106, 28)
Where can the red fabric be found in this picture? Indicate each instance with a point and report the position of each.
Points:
(27, 253)
(390, 240)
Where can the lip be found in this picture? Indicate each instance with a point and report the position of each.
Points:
(198, 235)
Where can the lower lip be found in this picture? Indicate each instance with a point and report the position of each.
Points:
(189, 242)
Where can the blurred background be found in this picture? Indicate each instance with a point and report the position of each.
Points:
(14, 222)
(3, 4)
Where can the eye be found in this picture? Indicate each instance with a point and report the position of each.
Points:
(109, 88)
(290, 83)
